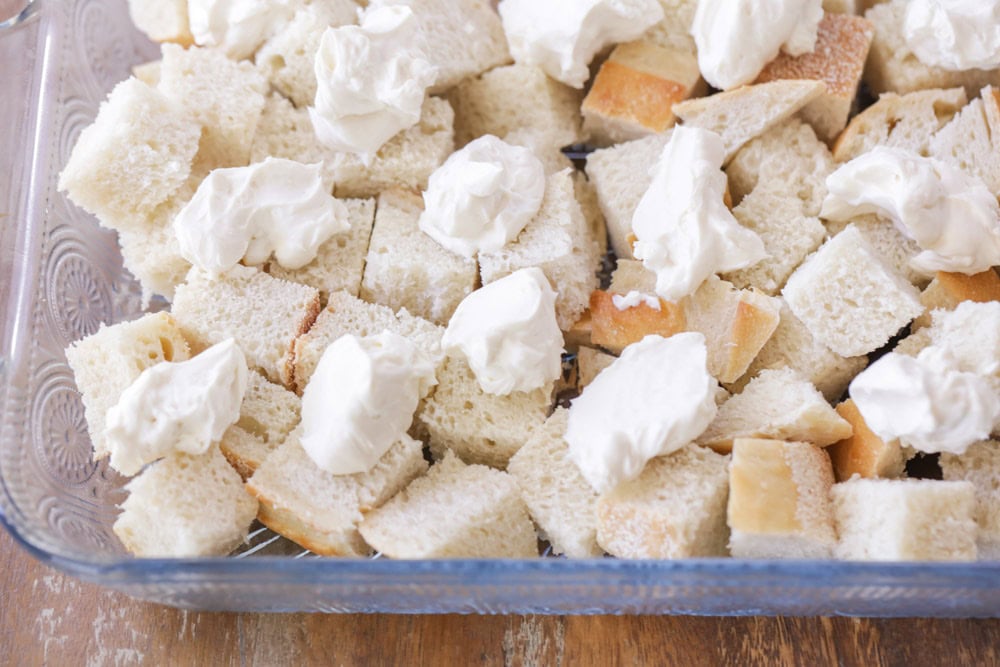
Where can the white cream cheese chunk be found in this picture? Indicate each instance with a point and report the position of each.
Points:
(238, 27)
(633, 299)
(954, 34)
(925, 401)
(275, 207)
(507, 331)
(563, 36)
(684, 231)
(951, 215)
(177, 406)
(737, 38)
(483, 195)
(361, 399)
(657, 397)
(371, 81)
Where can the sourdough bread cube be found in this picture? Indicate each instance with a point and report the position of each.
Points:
(559, 241)
(106, 363)
(321, 511)
(746, 112)
(340, 262)
(346, 314)
(455, 511)
(980, 464)
(516, 98)
(675, 509)
(479, 427)
(224, 96)
(849, 298)
(406, 268)
(590, 363)
(971, 141)
(779, 500)
(162, 20)
(776, 404)
(621, 176)
(133, 158)
(407, 160)
(947, 290)
(864, 454)
(893, 246)
(899, 121)
(263, 314)
(185, 506)
(881, 519)
(561, 502)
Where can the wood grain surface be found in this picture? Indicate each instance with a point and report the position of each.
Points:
(47, 618)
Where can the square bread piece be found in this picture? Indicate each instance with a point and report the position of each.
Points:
(590, 363)
(903, 520)
(480, 428)
(779, 500)
(980, 464)
(268, 414)
(185, 506)
(406, 268)
(559, 499)
(777, 404)
(226, 97)
(971, 141)
(558, 241)
(162, 20)
(347, 314)
(151, 252)
(848, 298)
(106, 363)
(340, 262)
(455, 511)
(864, 454)
(516, 98)
(894, 247)
(614, 329)
(263, 314)
(133, 158)
(321, 511)
(634, 91)
(947, 290)
(408, 159)
(675, 509)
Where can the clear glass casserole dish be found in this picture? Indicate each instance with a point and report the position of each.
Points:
(61, 275)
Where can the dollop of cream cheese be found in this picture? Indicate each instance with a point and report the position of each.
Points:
(951, 215)
(633, 299)
(507, 331)
(238, 27)
(371, 81)
(925, 401)
(361, 399)
(684, 231)
(481, 198)
(275, 207)
(177, 406)
(657, 397)
(954, 34)
(737, 38)
(563, 36)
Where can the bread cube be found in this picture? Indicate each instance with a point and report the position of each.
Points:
(455, 511)
(153, 255)
(971, 140)
(894, 247)
(903, 520)
(162, 20)
(980, 465)
(586, 196)
(268, 415)
(675, 509)
(779, 500)
(848, 298)
(864, 453)
(263, 314)
(947, 290)
(615, 329)
(590, 363)
(321, 511)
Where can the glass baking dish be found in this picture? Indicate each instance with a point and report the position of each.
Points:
(61, 275)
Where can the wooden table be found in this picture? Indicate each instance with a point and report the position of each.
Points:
(48, 618)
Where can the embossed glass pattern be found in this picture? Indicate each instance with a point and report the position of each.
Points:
(61, 276)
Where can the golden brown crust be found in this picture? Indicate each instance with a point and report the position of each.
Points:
(752, 327)
(864, 453)
(980, 287)
(614, 329)
(630, 96)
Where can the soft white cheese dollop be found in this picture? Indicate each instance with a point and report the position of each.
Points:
(361, 400)
(182, 406)
(657, 397)
(481, 198)
(238, 27)
(954, 34)
(371, 80)
(951, 215)
(633, 299)
(737, 38)
(925, 401)
(684, 232)
(507, 331)
(563, 36)
(275, 207)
